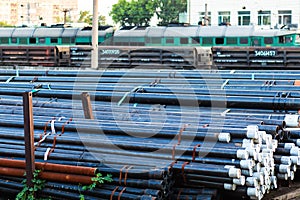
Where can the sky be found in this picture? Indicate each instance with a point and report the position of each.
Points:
(104, 7)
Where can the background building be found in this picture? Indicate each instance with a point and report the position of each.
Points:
(35, 12)
(267, 13)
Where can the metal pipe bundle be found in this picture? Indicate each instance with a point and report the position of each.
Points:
(161, 135)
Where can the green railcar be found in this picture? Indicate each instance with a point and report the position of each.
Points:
(206, 36)
(52, 36)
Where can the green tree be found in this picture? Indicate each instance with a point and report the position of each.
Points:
(142, 11)
(168, 10)
(102, 20)
(120, 12)
(87, 17)
(5, 24)
(135, 12)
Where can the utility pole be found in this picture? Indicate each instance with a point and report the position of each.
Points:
(206, 16)
(65, 14)
(94, 61)
(28, 13)
(189, 11)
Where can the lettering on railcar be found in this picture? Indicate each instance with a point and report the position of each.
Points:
(226, 61)
(110, 51)
(219, 54)
(265, 53)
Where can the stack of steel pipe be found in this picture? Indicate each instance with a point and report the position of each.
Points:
(195, 193)
(184, 127)
(253, 179)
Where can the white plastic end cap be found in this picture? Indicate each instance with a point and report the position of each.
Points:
(239, 181)
(252, 191)
(228, 186)
(286, 160)
(246, 164)
(224, 137)
(242, 154)
(289, 145)
(295, 151)
(234, 172)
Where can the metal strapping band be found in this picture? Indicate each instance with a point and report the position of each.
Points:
(127, 93)
(113, 192)
(34, 79)
(180, 132)
(173, 163)
(49, 151)
(173, 151)
(224, 84)
(120, 176)
(120, 194)
(126, 174)
(179, 193)
(12, 77)
(63, 126)
(155, 82)
(182, 170)
(194, 152)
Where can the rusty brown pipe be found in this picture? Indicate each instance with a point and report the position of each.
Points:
(89, 171)
(50, 176)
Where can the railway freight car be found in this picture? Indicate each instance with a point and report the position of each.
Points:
(109, 56)
(208, 36)
(47, 36)
(242, 36)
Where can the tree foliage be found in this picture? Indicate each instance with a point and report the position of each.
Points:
(87, 17)
(168, 10)
(140, 12)
(5, 24)
(121, 13)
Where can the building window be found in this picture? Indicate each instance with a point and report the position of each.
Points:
(243, 18)
(224, 18)
(284, 17)
(203, 20)
(264, 17)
